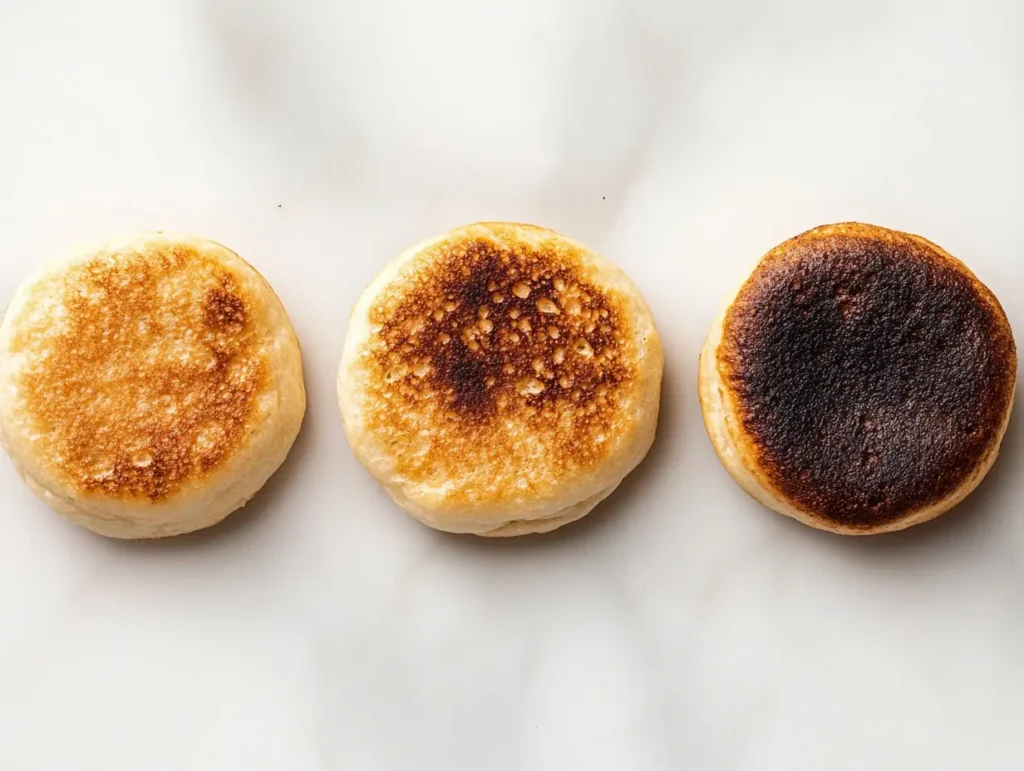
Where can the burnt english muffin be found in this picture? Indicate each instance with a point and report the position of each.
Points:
(860, 380)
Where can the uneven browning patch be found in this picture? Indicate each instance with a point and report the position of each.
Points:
(873, 373)
(497, 353)
(150, 375)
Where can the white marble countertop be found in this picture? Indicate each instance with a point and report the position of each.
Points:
(680, 626)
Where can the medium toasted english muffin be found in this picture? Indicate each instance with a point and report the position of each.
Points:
(860, 380)
(500, 379)
(149, 385)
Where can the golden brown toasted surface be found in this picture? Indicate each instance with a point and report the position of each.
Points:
(144, 373)
(872, 372)
(501, 349)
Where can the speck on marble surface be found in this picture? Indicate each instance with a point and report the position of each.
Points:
(680, 626)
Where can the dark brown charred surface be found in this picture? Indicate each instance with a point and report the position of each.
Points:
(492, 332)
(873, 373)
(150, 378)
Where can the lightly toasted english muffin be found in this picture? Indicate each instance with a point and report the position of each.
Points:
(149, 385)
(860, 380)
(500, 379)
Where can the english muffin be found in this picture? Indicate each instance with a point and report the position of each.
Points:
(149, 385)
(860, 380)
(500, 379)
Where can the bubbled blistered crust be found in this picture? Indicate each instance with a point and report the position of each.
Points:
(491, 335)
(499, 367)
(872, 372)
(148, 377)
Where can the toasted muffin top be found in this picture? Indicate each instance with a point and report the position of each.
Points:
(498, 364)
(137, 367)
(871, 371)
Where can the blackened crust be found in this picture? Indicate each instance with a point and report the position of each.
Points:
(872, 372)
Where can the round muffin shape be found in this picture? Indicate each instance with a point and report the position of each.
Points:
(500, 379)
(149, 385)
(860, 380)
